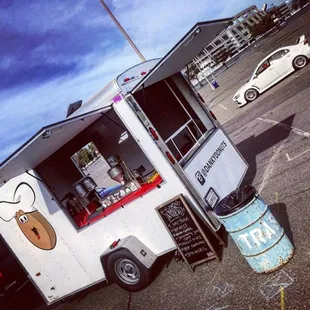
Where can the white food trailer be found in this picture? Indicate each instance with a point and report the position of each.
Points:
(78, 199)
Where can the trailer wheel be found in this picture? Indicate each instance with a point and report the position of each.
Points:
(127, 271)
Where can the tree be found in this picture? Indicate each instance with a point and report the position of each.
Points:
(83, 157)
(92, 149)
(265, 24)
(192, 71)
(297, 4)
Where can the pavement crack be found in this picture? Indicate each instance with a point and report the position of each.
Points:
(129, 302)
(297, 193)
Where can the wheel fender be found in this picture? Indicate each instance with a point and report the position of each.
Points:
(104, 264)
(134, 246)
(255, 87)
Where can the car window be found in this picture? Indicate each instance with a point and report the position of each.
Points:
(278, 55)
(265, 65)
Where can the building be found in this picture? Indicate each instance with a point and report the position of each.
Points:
(282, 11)
(233, 39)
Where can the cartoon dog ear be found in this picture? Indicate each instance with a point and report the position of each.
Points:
(8, 210)
(24, 194)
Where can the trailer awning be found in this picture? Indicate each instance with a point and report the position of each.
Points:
(200, 36)
(46, 142)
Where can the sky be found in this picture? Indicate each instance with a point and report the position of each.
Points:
(53, 53)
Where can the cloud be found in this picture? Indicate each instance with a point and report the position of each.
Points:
(54, 54)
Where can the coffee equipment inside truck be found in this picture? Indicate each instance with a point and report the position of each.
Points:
(78, 199)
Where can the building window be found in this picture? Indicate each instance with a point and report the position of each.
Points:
(218, 42)
(245, 33)
(225, 37)
(239, 28)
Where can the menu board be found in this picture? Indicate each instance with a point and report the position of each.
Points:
(190, 239)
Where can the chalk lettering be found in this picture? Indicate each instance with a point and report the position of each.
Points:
(184, 230)
(197, 244)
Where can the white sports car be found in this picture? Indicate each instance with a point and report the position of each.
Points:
(274, 68)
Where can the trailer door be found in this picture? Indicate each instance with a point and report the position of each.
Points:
(216, 169)
(201, 149)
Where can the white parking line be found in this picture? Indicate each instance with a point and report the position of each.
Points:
(269, 168)
(290, 159)
(223, 107)
(293, 129)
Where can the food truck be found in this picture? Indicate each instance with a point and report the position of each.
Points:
(78, 199)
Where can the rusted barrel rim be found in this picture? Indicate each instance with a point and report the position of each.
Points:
(279, 266)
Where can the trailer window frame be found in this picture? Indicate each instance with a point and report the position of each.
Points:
(204, 135)
(192, 117)
(150, 181)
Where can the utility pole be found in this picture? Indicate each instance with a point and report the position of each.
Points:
(122, 30)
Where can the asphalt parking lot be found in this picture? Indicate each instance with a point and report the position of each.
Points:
(220, 100)
(273, 135)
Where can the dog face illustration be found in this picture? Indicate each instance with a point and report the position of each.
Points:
(32, 223)
(36, 229)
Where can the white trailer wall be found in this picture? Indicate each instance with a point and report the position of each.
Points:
(75, 261)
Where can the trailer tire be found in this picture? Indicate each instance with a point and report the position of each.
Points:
(127, 271)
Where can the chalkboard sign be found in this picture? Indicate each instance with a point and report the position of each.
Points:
(193, 244)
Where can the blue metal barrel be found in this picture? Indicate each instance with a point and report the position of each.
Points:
(260, 238)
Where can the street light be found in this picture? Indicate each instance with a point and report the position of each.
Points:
(122, 30)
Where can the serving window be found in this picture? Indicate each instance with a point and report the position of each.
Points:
(171, 113)
(99, 171)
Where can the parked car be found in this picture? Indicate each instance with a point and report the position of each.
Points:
(272, 69)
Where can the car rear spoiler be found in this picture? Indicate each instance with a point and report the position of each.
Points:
(300, 40)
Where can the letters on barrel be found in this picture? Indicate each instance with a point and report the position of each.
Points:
(258, 236)
(185, 231)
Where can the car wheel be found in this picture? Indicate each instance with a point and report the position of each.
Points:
(299, 62)
(251, 94)
(127, 271)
